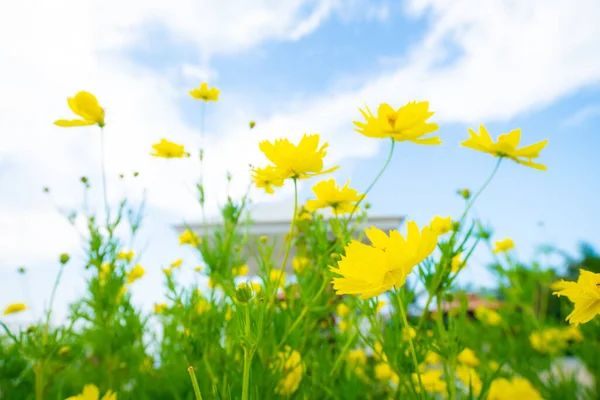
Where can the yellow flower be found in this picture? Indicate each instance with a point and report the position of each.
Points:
(126, 255)
(167, 149)
(278, 276)
(204, 93)
(380, 305)
(409, 122)
(378, 352)
(176, 263)
(389, 259)
(548, 340)
(240, 271)
(86, 106)
(432, 358)
(198, 268)
(343, 325)
(504, 245)
(432, 381)
(356, 358)
(189, 237)
(487, 316)
(266, 178)
(202, 306)
(341, 200)
(441, 225)
(91, 392)
(299, 264)
(159, 308)
(168, 271)
(14, 308)
(516, 388)
(212, 284)
(256, 287)
(407, 332)
(342, 310)
(297, 162)
(228, 314)
(468, 358)
(136, 273)
(573, 333)
(457, 264)
(290, 368)
(384, 373)
(585, 293)
(506, 146)
(468, 376)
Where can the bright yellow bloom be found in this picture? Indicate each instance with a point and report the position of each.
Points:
(290, 367)
(585, 293)
(189, 237)
(409, 122)
(506, 146)
(342, 310)
(86, 106)
(432, 381)
(240, 271)
(167, 149)
(300, 161)
(548, 341)
(433, 358)
(468, 358)
(136, 273)
(126, 255)
(91, 392)
(516, 388)
(372, 270)
(204, 93)
(278, 276)
(502, 246)
(457, 264)
(168, 271)
(384, 373)
(159, 308)
(299, 264)
(468, 376)
(487, 316)
(341, 200)
(14, 308)
(177, 263)
(441, 225)
(266, 178)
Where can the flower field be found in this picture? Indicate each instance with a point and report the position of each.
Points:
(342, 313)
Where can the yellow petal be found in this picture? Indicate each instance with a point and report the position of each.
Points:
(68, 123)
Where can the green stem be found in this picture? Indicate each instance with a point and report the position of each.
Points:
(52, 295)
(39, 382)
(485, 184)
(387, 162)
(290, 236)
(195, 383)
(248, 353)
(103, 167)
(410, 342)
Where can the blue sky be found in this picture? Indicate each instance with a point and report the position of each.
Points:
(306, 66)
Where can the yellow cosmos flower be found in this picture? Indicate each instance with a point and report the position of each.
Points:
(240, 271)
(515, 388)
(189, 237)
(372, 270)
(91, 392)
(300, 161)
(408, 123)
(299, 264)
(290, 367)
(176, 263)
(159, 308)
(256, 287)
(548, 341)
(14, 308)
(487, 316)
(136, 273)
(266, 178)
(342, 310)
(167, 149)
(503, 246)
(86, 106)
(457, 264)
(467, 357)
(506, 146)
(441, 225)
(204, 93)
(585, 293)
(167, 271)
(126, 255)
(432, 381)
(468, 376)
(341, 200)
(384, 373)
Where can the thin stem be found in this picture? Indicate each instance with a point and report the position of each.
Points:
(195, 383)
(290, 235)
(248, 353)
(387, 162)
(485, 184)
(410, 342)
(52, 295)
(103, 167)
(39, 382)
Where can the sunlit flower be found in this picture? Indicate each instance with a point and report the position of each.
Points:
(167, 149)
(441, 225)
(409, 122)
(177, 263)
(384, 373)
(502, 246)
(290, 367)
(487, 316)
(189, 237)
(86, 106)
(240, 271)
(467, 357)
(457, 264)
(278, 276)
(372, 270)
(204, 93)
(341, 199)
(506, 146)
(585, 293)
(342, 310)
(515, 388)
(300, 161)
(126, 255)
(14, 308)
(136, 273)
(468, 376)
(432, 381)
(159, 308)
(91, 392)
(266, 178)
(299, 264)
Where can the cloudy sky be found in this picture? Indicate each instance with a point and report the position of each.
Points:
(293, 66)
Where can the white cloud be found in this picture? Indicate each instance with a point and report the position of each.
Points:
(582, 115)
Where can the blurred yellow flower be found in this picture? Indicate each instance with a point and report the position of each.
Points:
(356, 358)
(211, 283)
(487, 316)
(189, 237)
(256, 287)
(159, 308)
(573, 333)
(502, 246)
(177, 263)
(390, 260)
(384, 373)
(198, 268)
(468, 376)
(506, 146)
(202, 306)
(278, 276)
(168, 271)
(341, 200)
(585, 293)
(228, 314)
(409, 122)
(299, 264)
(136, 273)
(91, 392)
(266, 178)
(457, 264)
(342, 310)
(441, 225)
(167, 149)
(378, 352)
(468, 358)
(204, 93)
(380, 305)
(290, 367)
(433, 358)
(14, 308)
(86, 106)
(432, 381)
(126, 255)
(104, 273)
(240, 271)
(515, 388)
(300, 161)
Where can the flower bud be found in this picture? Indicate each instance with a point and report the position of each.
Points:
(263, 239)
(243, 293)
(252, 124)
(465, 193)
(64, 258)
